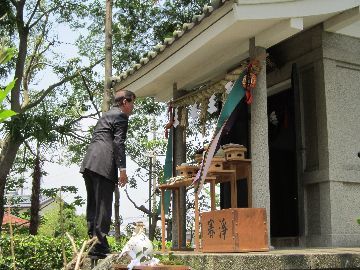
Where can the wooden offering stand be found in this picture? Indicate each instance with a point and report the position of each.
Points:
(187, 170)
(235, 160)
(234, 151)
(222, 169)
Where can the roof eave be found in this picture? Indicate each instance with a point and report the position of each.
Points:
(189, 60)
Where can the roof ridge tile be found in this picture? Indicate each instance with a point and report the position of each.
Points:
(196, 19)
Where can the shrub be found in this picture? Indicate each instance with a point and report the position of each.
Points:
(117, 247)
(33, 252)
(74, 224)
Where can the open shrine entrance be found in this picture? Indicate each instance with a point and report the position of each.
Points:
(284, 212)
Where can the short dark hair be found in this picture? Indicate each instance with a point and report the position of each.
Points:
(123, 94)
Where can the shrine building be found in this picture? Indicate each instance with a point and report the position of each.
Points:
(301, 127)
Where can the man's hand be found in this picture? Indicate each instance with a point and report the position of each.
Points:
(123, 179)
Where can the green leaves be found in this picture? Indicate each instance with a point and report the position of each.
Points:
(33, 252)
(5, 56)
(4, 114)
(72, 223)
(3, 93)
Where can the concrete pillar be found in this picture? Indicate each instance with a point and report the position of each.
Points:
(259, 137)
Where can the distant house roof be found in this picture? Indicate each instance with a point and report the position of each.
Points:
(218, 39)
(14, 220)
(24, 201)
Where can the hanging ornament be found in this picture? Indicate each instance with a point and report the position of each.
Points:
(229, 86)
(211, 107)
(204, 106)
(249, 82)
(194, 112)
(170, 120)
(176, 118)
(183, 119)
(203, 109)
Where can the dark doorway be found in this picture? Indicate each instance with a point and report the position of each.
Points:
(283, 176)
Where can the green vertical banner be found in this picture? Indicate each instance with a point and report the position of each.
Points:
(236, 94)
(167, 173)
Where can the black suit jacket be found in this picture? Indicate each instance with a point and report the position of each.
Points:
(106, 152)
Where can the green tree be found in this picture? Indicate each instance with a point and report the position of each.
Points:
(137, 27)
(52, 115)
(40, 114)
(74, 224)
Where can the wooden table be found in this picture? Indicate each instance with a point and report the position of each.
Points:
(176, 188)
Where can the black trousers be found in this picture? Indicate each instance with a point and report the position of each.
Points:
(99, 208)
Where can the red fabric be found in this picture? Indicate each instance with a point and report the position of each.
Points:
(248, 96)
(14, 220)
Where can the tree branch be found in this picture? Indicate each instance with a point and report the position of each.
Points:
(141, 207)
(53, 86)
(78, 137)
(46, 13)
(13, 2)
(91, 97)
(80, 118)
(34, 154)
(33, 13)
(31, 66)
(28, 147)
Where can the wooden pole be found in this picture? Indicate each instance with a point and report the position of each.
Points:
(150, 188)
(197, 240)
(178, 217)
(162, 221)
(117, 214)
(179, 156)
(212, 195)
(107, 97)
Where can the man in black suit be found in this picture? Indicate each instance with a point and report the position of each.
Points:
(105, 157)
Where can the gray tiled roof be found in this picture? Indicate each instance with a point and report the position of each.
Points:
(177, 34)
(24, 201)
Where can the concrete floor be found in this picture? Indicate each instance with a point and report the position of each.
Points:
(294, 258)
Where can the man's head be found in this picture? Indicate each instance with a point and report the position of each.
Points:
(124, 99)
